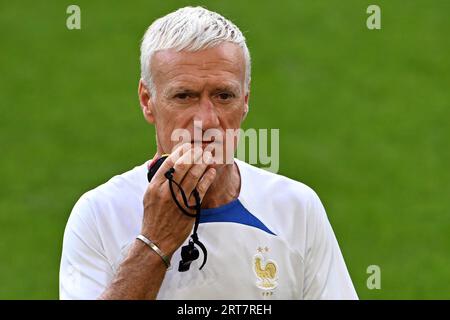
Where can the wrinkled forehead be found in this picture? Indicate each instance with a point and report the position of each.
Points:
(225, 61)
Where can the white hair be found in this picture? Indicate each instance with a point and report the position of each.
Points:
(189, 29)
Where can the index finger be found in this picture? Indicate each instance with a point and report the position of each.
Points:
(159, 177)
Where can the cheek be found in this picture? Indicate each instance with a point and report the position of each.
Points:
(165, 114)
(233, 113)
(173, 124)
(233, 120)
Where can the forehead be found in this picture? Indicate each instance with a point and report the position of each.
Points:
(222, 63)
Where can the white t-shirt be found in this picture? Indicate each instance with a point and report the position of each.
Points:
(273, 242)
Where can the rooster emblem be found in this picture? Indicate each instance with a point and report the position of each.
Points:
(266, 272)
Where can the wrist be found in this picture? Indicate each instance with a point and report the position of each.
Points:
(152, 246)
(166, 245)
(141, 254)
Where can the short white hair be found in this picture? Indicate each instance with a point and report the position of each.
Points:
(189, 29)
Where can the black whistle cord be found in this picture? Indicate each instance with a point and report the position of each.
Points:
(191, 254)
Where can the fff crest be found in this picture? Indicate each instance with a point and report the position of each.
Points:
(266, 271)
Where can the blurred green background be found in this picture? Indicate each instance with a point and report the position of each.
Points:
(363, 118)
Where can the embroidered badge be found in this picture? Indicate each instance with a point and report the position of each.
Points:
(266, 271)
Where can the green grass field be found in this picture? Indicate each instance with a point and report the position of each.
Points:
(363, 118)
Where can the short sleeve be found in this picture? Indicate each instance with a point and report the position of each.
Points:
(326, 275)
(85, 272)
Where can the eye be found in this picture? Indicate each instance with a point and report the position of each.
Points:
(182, 96)
(225, 96)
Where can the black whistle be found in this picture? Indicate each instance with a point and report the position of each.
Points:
(154, 167)
(189, 253)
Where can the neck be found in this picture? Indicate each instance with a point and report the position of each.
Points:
(225, 188)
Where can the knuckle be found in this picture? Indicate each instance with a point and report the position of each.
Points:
(179, 198)
(181, 166)
(193, 174)
(204, 184)
(170, 162)
(152, 189)
(201, 188)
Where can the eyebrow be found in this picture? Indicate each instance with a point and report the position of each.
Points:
(228, 87)
(183, 89)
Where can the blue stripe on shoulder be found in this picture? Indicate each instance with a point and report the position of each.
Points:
(233, 212)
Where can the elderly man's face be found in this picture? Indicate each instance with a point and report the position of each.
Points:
(206, 87)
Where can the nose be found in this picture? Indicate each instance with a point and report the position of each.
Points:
(207, 114)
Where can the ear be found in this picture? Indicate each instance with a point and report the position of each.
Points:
(247, 96)
(145, 100)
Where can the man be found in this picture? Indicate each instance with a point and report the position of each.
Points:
(266, 236)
